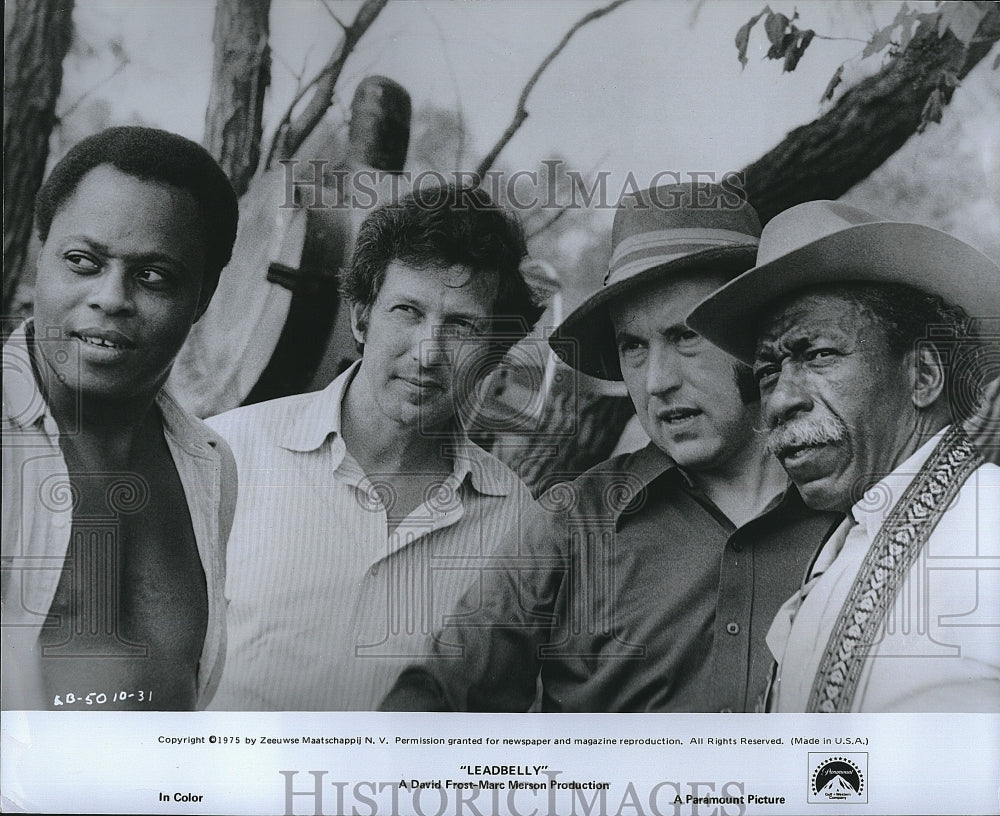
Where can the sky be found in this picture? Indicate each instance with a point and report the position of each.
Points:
(653, 87)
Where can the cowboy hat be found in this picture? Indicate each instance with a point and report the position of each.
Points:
(662, 231)
(829, 242)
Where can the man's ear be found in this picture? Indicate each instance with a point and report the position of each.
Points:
(928, 375)
(359, 321)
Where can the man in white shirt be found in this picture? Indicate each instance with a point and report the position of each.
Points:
(859, 333)
(365, 510)
(116, 502)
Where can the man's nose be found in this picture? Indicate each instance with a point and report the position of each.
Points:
(429, 344)
(663, 369)
(788, 397)
(112, 291)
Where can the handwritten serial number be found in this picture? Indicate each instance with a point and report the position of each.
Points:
(101, 698)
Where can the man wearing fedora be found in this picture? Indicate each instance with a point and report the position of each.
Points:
(649, 582)
(860, 336)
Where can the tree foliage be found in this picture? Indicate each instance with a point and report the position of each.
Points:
(927, 54)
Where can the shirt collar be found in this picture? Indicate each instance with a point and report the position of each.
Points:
(24, 404)
(484, 471)
(879, 499)
(321, 416)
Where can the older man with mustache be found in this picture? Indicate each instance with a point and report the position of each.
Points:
(865, 355)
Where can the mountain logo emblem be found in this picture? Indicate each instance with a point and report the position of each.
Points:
(837, 778)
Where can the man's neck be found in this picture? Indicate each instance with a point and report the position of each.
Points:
(914, 436)
(385, 447)
(95, 427)
(748, 483)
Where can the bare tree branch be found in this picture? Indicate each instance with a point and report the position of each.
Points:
(521, 112)
(75, 104)
(329, 11)
(295, 131)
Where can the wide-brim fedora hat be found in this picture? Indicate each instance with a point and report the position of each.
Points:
(822, 242)
(657, 233)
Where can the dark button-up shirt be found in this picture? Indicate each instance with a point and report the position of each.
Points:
(628, 590)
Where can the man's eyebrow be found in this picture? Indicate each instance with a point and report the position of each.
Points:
(138, 257)
(676, 331)
(624, 334)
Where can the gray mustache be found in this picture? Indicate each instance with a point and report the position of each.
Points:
(803, 431)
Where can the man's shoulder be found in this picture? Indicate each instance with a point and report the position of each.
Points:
(263, 422)
(607, 488)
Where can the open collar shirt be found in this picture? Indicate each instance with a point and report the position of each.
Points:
(938, 648)
(327, 606)
(37, 509)
(628, 590)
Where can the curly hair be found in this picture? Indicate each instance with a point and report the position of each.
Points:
(152, 155)
(441, 227)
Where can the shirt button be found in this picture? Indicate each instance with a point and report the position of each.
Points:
(737, 547)
(733, 628)
(725, 711)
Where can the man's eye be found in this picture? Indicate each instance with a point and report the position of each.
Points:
(688, 337)
(766, 374)
(81, 263)
(152, 277)
(454, 330)
(821, 354)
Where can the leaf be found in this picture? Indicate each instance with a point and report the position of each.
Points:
(996, 62)
(835, 80)
(906, 19)
(880, 39)
(961, 19)
(775, 26)
(743, 36)
(777, 51)
(794, 54)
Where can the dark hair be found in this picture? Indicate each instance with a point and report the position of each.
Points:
(909, 317)
(441, 227)
(152, 155)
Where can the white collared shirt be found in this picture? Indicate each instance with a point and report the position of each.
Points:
(327, 607)
(939, 646)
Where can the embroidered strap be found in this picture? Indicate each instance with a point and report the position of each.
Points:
(894, 550)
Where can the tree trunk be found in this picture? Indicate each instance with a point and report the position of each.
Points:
(869, 123)
(36, 45)
(241, 72)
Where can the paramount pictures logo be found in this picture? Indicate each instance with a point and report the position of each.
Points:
(838, 778)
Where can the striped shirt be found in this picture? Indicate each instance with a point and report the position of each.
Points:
(326, 607)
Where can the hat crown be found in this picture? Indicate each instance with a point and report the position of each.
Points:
(664, 224)
(805, 223)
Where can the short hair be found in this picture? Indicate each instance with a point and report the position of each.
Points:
(908, 317)
(441, 227)
(159, 156)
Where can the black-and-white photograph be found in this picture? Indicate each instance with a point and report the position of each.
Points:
(509, 407)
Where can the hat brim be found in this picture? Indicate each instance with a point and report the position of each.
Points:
(586, 338)
(881, 252)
